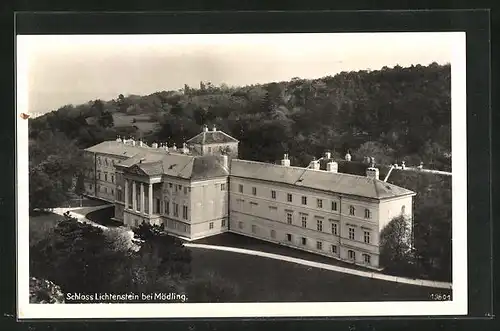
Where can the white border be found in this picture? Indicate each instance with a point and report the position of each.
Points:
(458, 306)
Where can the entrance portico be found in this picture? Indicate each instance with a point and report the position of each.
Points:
(139, 199)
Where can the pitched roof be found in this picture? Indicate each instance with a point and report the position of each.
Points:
(317, 179)
(212, 137)
(120, 149)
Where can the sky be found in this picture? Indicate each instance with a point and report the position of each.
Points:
(68, 69)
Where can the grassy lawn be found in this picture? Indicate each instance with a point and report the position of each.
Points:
(235, 240)
(103, 217)
(121, 119)
(261, 279)
(40, 223)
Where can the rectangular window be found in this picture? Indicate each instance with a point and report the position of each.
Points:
(158, 206)
(334, 205)
(112, 191)
(185, 212)
(170, 185)
(304, 241)
(254, 228)
(240, 225)
(319, 225)
(273, 234)
(304, 200)
(288, 237)
(319, 203)
(289, 217)
(367, 213)
(254, 190)
(319, 245)
(105, 189)
(240, 188)
(211, 225)
(367, 237)
(176, 209)
(112, 179)
(185, 190)
(351, 210)
(223, 186)
(289, 197)
(334, 229)
(304, 221)
(167, 207)
(334, 249)
(351, 233)
(273, 194)
(351, 255)
(367, 258)
(99, 175)
(223, 223)
(105, 177)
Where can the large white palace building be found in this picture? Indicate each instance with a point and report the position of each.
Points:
(202, 189)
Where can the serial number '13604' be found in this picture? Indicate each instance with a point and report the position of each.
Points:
(440, 297)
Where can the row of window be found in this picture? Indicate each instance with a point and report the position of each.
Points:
(186, 189)
(222, 224)
(105, 162)
(304, 201)
(175, 209)
(112, 177)
(319, 244)
(102, 189)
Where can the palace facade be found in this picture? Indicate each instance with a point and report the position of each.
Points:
(202, 189)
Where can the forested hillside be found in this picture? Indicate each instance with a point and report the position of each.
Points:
(404, 113)
(392, 114)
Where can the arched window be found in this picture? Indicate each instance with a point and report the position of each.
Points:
(403, 210)
(351, 210)
(367, 213)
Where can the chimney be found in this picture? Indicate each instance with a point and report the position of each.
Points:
(348, 157)
(285, 161)
(225, 161)
(403, 166)
(141, 144)
(154, 145)
(372, 172)
(174, 148)
(118, 139)
(205, 128)
(132, 142)
(421, 166)
(185, 149)
(315, 164)
(332, 167)
(214, 128)
(328, 155)
(166, 147)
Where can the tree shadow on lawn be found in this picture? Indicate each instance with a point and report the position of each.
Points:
(104, 217)
(263, 279)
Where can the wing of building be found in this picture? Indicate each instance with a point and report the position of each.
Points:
(202, 189)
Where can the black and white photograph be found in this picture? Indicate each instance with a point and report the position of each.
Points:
(242, 175)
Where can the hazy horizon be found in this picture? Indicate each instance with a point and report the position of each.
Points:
(76, 69)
